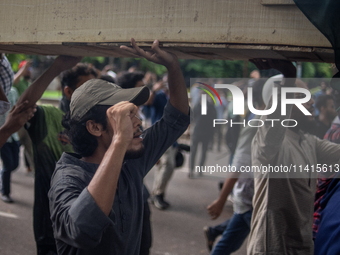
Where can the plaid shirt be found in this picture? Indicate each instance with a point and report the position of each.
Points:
(333, 135)
(6, 75)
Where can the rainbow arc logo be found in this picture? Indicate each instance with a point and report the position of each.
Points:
(204, 97)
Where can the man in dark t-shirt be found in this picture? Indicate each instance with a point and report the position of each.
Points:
(49, 142)
(45, 130)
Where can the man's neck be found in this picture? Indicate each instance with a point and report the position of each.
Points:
(95, 158)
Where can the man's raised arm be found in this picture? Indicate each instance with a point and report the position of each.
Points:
(34, 92)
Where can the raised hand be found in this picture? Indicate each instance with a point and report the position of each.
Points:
(156, 55)
(27, 65)
(284, 66)
(63, 62)
(18, 116)
(34, 92)
(158, 86)
(120, 116)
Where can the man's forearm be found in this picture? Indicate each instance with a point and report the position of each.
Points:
(104, 183)
(34, 92)
(227, 188)
(17, 76)
(177, 88)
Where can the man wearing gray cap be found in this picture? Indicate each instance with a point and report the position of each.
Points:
(96, 199)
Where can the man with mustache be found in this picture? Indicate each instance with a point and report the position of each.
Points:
(96, 198)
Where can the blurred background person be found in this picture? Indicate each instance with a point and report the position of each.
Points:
(202, 134)
(322, 91)
(9, 153)
(220, 114)
(48, 142)
(159, 96)
(235, 230)
(22, 79)
(327, 113)
(6, 81)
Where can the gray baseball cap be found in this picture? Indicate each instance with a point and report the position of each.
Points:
(100, 92)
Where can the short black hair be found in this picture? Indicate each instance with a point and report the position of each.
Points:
(82, 141)
(108, 78)
(129, 80)
(70, 77)
(322, 101)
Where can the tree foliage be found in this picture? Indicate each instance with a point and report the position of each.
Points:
(316, 70)
(191, 68)
(15, 60)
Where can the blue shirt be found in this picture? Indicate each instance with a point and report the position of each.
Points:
(158, 105)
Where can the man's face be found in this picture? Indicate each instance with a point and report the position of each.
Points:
(139, 84)
(255, 75)
(136, 147)
(330, 109)
(81, 80)
(323, 86)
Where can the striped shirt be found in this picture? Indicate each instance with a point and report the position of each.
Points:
(6, 75)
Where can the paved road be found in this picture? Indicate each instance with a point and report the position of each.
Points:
(176, 231)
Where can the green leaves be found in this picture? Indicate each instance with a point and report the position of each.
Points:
(191, 67)
(316, 70)
(15, 60)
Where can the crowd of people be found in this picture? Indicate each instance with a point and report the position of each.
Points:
(90, 155)
(98, 128)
